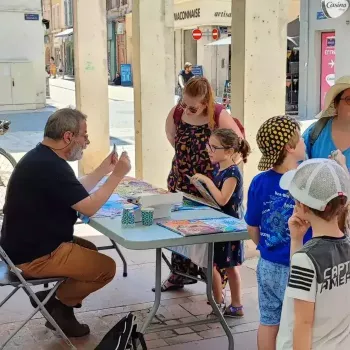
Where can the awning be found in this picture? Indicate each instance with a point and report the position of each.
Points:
(220, 42)
(227, 41)
(66, 32)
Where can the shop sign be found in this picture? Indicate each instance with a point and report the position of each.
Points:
(327, 63)
(321, 15)
(126, 74)
(31, 17)
(120, 28)
(182, 15)
(334, 8)
(197, 71)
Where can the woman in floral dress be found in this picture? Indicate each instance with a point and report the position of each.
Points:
(188, 128)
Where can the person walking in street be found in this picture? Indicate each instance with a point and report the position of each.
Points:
(188, 129)
(184, 76)
(42, 201)
(53, 68)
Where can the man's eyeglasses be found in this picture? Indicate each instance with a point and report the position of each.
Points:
(213, 148)
(85, 136)
(346, 99)
(191, 109)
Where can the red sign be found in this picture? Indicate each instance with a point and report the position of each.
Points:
(327, 63)
(196, 34)
(215, 34)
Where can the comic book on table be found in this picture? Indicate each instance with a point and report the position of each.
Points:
(204, 226)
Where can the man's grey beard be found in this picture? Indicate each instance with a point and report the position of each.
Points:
(76, 153)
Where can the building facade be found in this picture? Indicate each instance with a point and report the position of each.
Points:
(22, 63)
(324, 54)
(119, 45)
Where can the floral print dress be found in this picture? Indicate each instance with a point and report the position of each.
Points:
(190, 158)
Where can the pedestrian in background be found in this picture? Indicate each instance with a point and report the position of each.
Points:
(53, 68)
(184, 76)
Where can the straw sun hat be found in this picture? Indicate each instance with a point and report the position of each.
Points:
(340, 85)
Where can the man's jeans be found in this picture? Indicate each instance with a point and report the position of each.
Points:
(87, 270)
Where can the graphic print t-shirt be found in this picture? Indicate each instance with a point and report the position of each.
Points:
(320, 273)
(269, 208)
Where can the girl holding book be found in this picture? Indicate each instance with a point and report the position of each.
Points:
(226, 150)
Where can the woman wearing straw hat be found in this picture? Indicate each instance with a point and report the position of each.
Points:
(332, 131)
(330, 135)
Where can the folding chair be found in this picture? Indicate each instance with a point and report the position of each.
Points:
(10, 275)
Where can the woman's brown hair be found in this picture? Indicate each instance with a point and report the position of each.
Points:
(230, 140)
(200, 87)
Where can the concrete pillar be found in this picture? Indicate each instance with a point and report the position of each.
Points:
(91, 77)
(178, 52)
(258, 67)
(153, 75)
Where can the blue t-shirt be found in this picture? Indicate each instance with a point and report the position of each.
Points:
(234, 206)
(324, 145)
(269, 208)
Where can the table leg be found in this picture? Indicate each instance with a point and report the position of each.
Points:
(158, 292)
(125, 265)
(216, 310)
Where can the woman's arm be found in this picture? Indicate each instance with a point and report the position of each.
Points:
(227, 122)
(221, 196)
(170, 127)
(304, 312)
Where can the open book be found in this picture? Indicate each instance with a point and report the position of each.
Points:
(208, 198)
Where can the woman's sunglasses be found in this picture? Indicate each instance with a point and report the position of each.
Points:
(346, 99)
(191, 109)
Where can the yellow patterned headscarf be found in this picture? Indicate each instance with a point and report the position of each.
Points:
(272, 137)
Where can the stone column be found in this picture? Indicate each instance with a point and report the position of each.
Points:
(258, 67)
(91, 77)
(154, 87)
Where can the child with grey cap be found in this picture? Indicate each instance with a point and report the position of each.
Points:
(316, 308)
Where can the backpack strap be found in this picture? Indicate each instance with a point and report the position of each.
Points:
(217, 111)
(317, 129)
(178, 114)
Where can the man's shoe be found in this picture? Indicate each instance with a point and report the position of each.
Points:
(65, 318)
(41, 296)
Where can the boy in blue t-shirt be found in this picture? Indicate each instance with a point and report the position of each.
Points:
(268, 210)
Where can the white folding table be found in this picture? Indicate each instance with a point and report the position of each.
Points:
(157, 237)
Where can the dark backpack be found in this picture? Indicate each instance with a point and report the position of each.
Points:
(123, 336)
(218, 109)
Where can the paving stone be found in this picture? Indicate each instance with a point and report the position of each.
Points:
(172, 322)
(175, 301)
(195, 298)
(184, 330)
(212, 333)
(188, 319)
(151, 336)
(246, 327)
(185, 338)
(200, 328)
(154, 344)
(172, 312)
(197, 308)
(166, 334)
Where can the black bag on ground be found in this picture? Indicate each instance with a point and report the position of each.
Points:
(123, 336)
